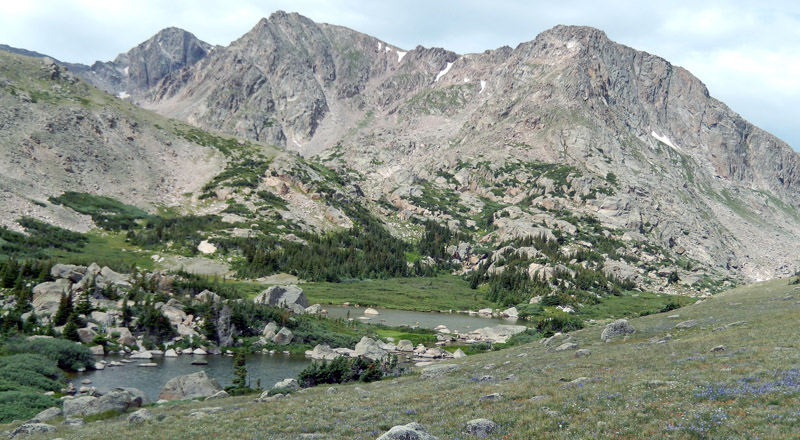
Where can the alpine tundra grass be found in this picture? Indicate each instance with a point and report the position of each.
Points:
(726, 367)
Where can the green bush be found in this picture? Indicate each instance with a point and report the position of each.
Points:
(29, 371)
(106, 212)
(68, 355)
(556, 322)
(22, 405)
(341, 370)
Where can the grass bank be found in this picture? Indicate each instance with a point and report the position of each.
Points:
(444, 292)
(730, 373)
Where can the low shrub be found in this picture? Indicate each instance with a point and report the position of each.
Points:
(68, 355)
(22, 405)
(555, 322)
(342, 369)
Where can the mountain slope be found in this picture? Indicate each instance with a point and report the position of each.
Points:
(688, 173)
(60, 134)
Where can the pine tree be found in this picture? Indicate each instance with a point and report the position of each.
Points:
(239, 370)
(84, 307)
(210, 323)
(30, 325)
(8, 273)
(64, 310)
(71, 328)
(126, 311)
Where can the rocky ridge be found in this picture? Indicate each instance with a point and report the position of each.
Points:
(653, 153)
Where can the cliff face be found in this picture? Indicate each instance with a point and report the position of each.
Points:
(143, 66)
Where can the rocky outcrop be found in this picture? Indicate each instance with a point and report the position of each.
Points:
(225, 328)
(31, 428)
(617, 329)
(283, 337)
(410, 431)
(189, 387)
(117, 400)
(498, 333)
(370, 349)
(290, 297)
(289, 384)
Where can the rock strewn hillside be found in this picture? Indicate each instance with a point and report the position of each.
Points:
(688, 173)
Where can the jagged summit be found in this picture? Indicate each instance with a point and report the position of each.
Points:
(143, 66)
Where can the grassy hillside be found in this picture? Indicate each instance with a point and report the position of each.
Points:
(731, 375)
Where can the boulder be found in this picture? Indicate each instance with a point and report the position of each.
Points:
(142, 355)
(437, 370)
(686, 324)
(108, 277)
(175, 315)
(371, 311)
(186, 331)
(323, 352)
(314, 309)
(567, 346)
(270, 330)
(47, 296)
(118, 400)
(510, 312)
(32, 428)
(498, 333)
(616, 329)
(48, 414)
(101, 318)
(69, 272)
(480, 427)
(287, 384)
(170, 353)
(140, 416)
(189, 387)
(86, 335)
(125, 335)
(411, 431)
(282, 296)
(199, 352)
(208, 295)
(283, 337)
(458, 354)
(218, 395)
(370, 349)
(405, 345)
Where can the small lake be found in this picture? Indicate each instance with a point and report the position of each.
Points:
(461, 322)
(268, 368)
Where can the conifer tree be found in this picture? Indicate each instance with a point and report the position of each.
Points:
(71, 328)
(84, 307)
(64, 310)
(239, 370)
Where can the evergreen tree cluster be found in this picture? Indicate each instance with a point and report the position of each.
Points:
(367, 250)
(342, 370)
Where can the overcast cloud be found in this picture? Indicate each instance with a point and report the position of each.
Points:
(746, 52)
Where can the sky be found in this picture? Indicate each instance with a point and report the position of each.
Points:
(746, 52)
